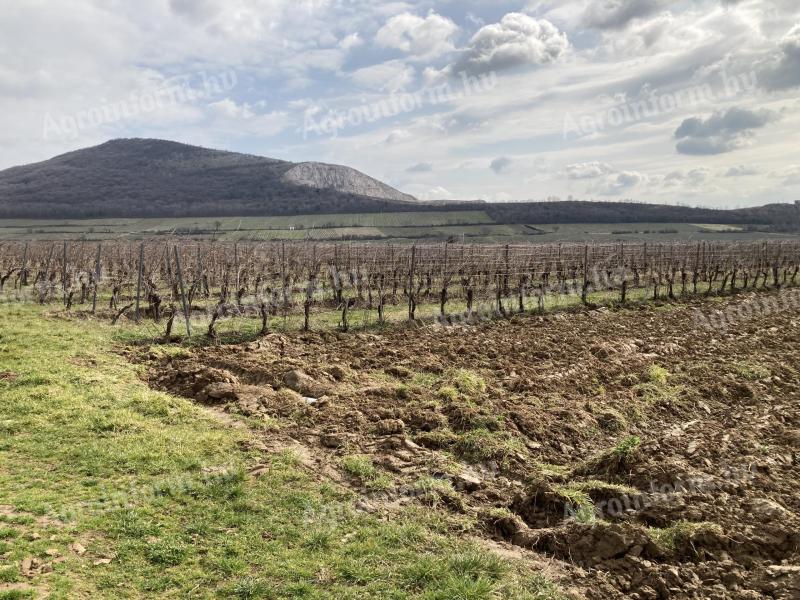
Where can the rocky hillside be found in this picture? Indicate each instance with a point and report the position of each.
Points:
(157, 178)
(344, 179)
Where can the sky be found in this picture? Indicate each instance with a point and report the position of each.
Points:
(663, 101)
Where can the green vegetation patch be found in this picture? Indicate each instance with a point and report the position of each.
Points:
(157, 491)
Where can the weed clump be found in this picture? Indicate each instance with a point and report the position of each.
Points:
(467, 382)
(658, 375)
(361, 467)
(680, 537)
(436, 492)
(613, 461)
(751, 371)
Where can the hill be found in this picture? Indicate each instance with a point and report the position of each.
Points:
(157, 178)
(148, 178)
(777, 217)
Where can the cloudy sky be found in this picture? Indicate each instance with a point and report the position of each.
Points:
(696, 102)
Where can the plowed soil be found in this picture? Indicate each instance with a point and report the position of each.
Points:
(649, 457)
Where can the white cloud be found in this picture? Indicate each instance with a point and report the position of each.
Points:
(588, 170)
(397, 136)
(229, 109)
(692, 178)
(351, 41)
(421, 38)
(437, 193)
(741, 171)
(515, 41)
(789, 174)
(614, 14)
(244, 119)
(623, 182)
(391, 76)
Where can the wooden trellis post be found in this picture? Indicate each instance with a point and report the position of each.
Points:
(411, 301)
(139, 281)
(96, 277)
(24, 274)
(64, 272)
(183, 292)
(585, 289)
(624, 285)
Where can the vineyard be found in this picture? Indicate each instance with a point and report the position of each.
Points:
(641, 452)
(306, 285)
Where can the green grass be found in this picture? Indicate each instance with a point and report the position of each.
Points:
(627, 446)
(360, 467)
(681, 533)
(474, 225)
(159, 486)
(478, 445)
(434, 491)
(658, 375)
(750, 371)
(467, 382)
(300, 227)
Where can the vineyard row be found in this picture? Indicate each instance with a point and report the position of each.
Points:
(161, 280)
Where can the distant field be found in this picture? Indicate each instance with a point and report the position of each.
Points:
(475, 226)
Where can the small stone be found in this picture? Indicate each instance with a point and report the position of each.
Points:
(219, 391)
(26, 567)
(780, 570)
(411, 445)
(768, 509)
(298, 381)
(636, 551)
(78, 548)
(467, 481)
(333, 440)
(390, 426)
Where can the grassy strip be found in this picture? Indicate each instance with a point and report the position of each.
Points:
(128, 493)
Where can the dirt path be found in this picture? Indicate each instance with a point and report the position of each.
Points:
(651, 457)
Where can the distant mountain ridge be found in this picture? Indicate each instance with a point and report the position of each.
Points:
(139, 178)
(158, 178)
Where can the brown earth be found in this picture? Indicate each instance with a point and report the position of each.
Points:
(652, 458)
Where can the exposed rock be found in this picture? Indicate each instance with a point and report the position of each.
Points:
(218, 391)
(768, 509)
(342, 179)
(304, 384)
(467, 481)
